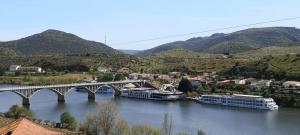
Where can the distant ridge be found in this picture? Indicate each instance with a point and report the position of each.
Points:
(56, 42)
(130, 52)
(240, 41)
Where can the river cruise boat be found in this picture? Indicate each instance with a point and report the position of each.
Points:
(238, 100)
(152, 94)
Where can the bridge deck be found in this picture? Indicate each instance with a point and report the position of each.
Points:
(67, 85)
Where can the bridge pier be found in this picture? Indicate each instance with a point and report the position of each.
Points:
(61, 99)
(92, 96)
(25, 102)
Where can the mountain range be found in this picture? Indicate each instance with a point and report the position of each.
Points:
(240, 41)
(59, 42)
(55, 42)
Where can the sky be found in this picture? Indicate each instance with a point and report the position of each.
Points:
(131, 20)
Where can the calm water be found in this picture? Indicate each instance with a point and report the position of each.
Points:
(187, 116)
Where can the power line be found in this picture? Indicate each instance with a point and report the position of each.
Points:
(205, 31)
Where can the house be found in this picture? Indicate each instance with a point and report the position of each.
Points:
(103, 69)
(31, 69)
(291, 84)
(124, 70)
(23, 126)
(261, 84)
(14, 68)
(240, 81)
(136, 76)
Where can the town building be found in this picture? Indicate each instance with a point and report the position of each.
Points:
(143, 76)
(240, 81)
(31, 69)
(260, 85)
(14, 68)
(103, 69)
(124, 70)
(291, 84)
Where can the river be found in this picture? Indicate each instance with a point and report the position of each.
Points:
(187, 116)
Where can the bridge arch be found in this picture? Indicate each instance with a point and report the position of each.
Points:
(116, 89)
(48, 89)
(19, 94)
(85, 89)
(104, 86)
(91, 94)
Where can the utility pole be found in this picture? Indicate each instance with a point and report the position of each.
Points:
(105, 39)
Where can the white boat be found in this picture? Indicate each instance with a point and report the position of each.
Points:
(238, 100)
(152, 94)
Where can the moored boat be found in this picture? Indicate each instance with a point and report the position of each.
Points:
(238, 100)
(152, 94)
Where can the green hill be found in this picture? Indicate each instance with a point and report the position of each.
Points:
(270, 51)
(4, 52)
(240, 41)
(56, 42)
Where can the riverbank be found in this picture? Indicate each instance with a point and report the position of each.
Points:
(44, 79)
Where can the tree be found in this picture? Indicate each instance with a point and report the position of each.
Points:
(18, 112)
(107, 116)
(185, 85)
(119, 77)
(201, 132)
(2, 71)
(68, 121)
(121, 128)
(167, 126)
(104, 121)
(106, 77)
(144, 130)
(90, 125)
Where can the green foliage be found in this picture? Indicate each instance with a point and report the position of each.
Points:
(119, 77)
(18, 112)
(185, 85)
(279, 68)
(286, 100)
(106, 77)
(201, 132)
(68, 121)
(2, 71)
(144, 130)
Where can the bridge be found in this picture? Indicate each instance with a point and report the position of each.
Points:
(26, 92)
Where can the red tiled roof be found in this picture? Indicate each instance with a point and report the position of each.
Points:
(26, 127)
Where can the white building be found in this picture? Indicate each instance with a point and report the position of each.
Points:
(240, 82)
(14, 68)
(31, 69)
(259, 85)
(103, 69)
(289, 84)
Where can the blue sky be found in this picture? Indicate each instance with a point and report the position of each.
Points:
(130, 20)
